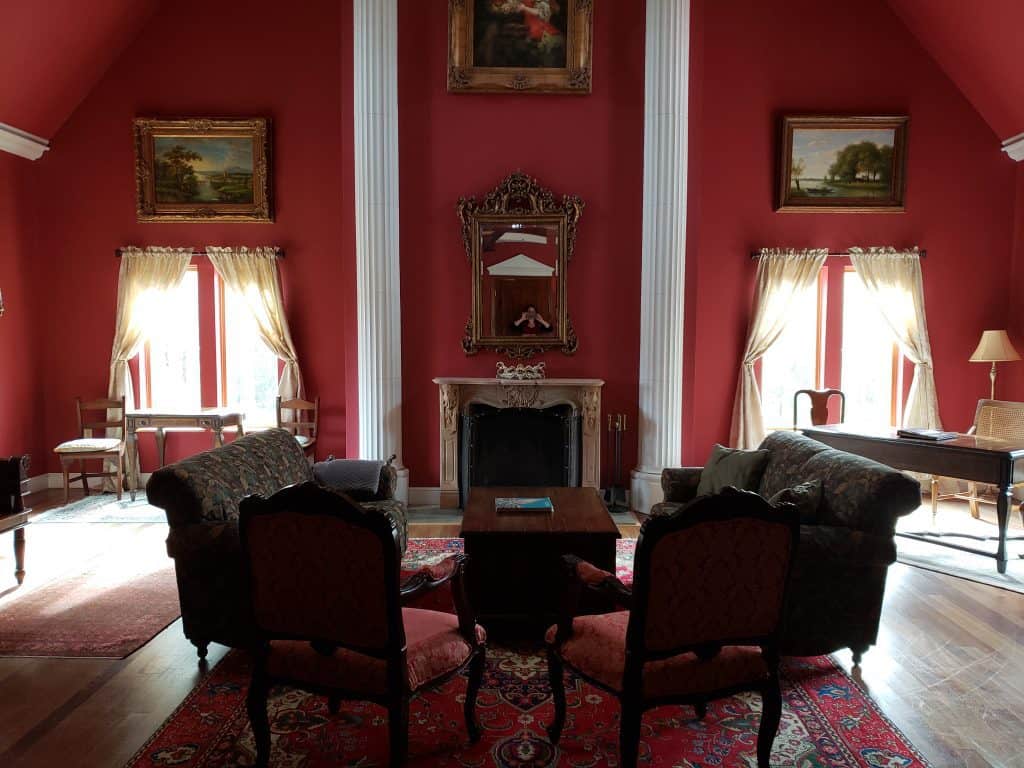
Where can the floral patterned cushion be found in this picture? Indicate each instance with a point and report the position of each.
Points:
(597, 648)
(89, 445)
(434, 647)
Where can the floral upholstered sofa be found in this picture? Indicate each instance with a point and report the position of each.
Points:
(838, 578)
(201, 495)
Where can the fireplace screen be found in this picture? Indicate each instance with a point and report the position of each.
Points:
(519, 446)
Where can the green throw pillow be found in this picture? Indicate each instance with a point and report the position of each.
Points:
(732, 466)
(806, 497)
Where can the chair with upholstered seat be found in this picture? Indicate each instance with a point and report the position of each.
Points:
(323, 576)
(819, 404)
(993, 420)
(92, 444)
(703, 616)
(302, 419)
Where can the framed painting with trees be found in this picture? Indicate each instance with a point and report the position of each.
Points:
(843, 164)
(202, 169)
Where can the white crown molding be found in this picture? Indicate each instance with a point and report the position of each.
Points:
(22, 143)
(1014, 147)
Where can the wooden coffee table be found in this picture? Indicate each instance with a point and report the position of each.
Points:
(514, 574)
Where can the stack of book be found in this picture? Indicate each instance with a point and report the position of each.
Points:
(523, 504)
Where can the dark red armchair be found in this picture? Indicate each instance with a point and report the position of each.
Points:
(327, 605)
(702, 621)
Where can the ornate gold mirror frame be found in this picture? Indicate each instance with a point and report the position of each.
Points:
(519, 203)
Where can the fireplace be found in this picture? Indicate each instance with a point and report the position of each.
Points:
(538, 432)
(519, 446)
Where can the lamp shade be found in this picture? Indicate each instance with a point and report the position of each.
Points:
(994, 347)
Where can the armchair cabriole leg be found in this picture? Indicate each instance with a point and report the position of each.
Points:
(556, 676)
(398, 731)
(256, 704)
(629, 733)
(476, 674)
(333, 704)
(701, 710)
(771, 714)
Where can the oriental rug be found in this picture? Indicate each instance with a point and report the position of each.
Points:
(828, 720)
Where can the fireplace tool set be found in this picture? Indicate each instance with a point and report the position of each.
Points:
(615, 496)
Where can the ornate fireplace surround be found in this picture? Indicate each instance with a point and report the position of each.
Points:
(455, 394)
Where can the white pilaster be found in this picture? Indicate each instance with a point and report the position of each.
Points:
(375, 75)
(666, 78)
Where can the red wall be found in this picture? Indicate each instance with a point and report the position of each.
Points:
(455, 145)
(762, 60)
(20, 395)
(1011, 375)
(281, 60)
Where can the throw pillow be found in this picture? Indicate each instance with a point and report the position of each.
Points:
(732, 466)
(806, 497)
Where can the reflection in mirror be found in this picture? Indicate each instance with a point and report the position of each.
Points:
(519, 279)
(518, 240)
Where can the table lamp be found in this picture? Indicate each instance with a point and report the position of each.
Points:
(994, 347)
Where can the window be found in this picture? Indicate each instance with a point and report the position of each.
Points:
(248, 370)
(794, 361)
(169, 369)
(856, 354)
(872, 364)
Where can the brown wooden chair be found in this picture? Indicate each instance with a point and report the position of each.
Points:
(703, 616)
(994, 420)
(303, 421)
(819, 404)
(92, 444)
(323, 576)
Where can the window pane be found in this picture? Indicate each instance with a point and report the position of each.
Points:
(174, 347)
(867, 357)
(790, 363)
(250, 368)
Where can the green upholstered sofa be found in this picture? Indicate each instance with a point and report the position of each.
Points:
(838, 578)
(200, 496)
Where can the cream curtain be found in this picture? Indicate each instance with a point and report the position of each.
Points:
(144, 281)
(893, 280)
(782, 274)
(253, 275)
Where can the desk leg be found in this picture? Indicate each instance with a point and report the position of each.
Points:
(160, 446)
(1003, 502)
(218, 436)
(131, 443)
(19, 554)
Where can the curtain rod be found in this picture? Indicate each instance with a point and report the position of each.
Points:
(279, 254)
(755, 254)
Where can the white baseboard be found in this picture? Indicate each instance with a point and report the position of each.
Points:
(425, 496)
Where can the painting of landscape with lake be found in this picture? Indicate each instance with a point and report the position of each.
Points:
(843, 164)
(202, 170)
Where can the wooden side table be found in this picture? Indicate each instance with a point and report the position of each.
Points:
(13, 515)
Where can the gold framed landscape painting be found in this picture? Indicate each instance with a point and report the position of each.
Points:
(528, 46)
(203, 169)
(843, 164)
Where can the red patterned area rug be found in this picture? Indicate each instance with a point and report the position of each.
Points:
(828, 721)
(107, 608)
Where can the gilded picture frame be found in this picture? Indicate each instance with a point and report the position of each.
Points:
(520, 46)
(203, 169)
(842, 164)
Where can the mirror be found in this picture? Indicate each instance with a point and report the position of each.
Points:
(518, 241)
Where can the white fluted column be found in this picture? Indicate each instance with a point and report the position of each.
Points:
(375, 87)
(666, 77)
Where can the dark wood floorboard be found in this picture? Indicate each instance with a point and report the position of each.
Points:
(948, 669)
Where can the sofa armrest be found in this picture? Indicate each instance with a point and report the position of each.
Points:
(680, 484)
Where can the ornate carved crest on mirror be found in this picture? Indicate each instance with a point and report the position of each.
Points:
(519, 240)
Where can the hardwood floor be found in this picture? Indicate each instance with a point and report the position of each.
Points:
(948, 669)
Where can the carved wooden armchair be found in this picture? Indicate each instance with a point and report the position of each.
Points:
(702, 620)
(323, 575)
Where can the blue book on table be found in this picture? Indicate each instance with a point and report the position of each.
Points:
(524, 504)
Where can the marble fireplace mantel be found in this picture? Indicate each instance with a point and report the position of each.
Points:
(455, 394)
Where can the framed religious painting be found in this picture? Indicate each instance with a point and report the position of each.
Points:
(843, 164)
(525, 46)
(202, 169)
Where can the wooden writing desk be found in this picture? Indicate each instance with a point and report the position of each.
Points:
(13, 515)
(984, 460)
(211, 419)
